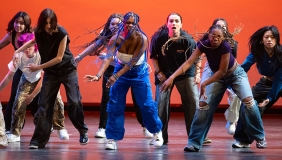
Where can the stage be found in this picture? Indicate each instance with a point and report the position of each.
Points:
(135, 146)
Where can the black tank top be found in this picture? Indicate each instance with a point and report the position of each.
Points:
(14, 33)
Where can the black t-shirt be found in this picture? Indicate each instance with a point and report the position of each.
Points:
(175, 54)
(48, 46)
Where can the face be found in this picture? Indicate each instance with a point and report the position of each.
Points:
(174, 23)
(268, 40)
(129, 24)
(48, 25)
(221, 23)
(216, 37)
(30, 52)
(114, 23)
(19, 25)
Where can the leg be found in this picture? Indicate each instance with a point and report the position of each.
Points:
(44, 116)
(204, 115)
(163, 102)
(59, 117)
(9, 107)
(3, 137)
(189, 97)
(75, 108)
(115, 123)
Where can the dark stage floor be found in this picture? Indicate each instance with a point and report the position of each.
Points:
(135, 146)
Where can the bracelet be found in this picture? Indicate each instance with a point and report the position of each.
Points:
(116, 76)
(97, 75)
(157, 71)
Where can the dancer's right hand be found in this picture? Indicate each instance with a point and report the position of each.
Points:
(89, 78)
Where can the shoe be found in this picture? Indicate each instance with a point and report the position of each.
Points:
(52, 130)
(8, 132)
(230, 127)
(239, 144)
(158, 140)
(111, 145)
(83, 140)
(261, 144)
(63, 134)
(207, 140)
(3, 140)
(189, 148)
(146, 133)
(13, 138)
(32, 146)
(100, 133)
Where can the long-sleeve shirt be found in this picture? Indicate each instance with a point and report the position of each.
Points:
(270, 67)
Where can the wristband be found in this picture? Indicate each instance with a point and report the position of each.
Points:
(157, 71)
(97, 75)
(116, 76)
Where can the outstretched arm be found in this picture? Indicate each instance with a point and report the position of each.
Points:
(5, 41)
(6, 80)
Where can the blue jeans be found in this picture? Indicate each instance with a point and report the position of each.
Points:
(138, 79)
(250, 116)
(189, 98)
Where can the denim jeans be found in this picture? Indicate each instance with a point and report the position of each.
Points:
(105, 99)
(189, 98)
(138, 79)
(43, 118)
(250, 116)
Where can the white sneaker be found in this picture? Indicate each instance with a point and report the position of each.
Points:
(13, 138)
(146, 133)
(101, 133)
(3, 140)
(230, 127)
(111, 145)
(63, 134)
(157, 140)
(238, 144)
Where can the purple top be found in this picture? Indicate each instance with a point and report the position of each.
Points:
(214, 54)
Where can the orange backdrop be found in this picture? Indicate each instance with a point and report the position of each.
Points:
(78, 16)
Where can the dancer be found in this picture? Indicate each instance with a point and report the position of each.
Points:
(129, 47)
(28, 88)
(96, 48)
(266, 52)
(170, 48)
(232, 113)
(59, 68)
(226, 72)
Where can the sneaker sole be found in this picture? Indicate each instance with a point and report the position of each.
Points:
(33, 147)
(85, 142)
(100, 136)
(235, 146)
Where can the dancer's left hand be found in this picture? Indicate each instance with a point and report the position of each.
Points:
(264, 103)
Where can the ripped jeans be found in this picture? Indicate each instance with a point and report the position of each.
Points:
(138, 79)
(250, 116)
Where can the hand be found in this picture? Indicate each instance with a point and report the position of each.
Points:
(264, 103)
(161, 77)
(89, 78)
(32, 67)
(15, 60)
(203, 91)
(166, 85)
(230, 95)
(197, 79)
(110, 82)
(28, 99)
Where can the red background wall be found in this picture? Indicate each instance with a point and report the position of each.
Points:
(76, 15)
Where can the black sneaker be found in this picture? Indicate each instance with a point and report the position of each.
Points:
(261, 144)
(189, 148)
(83, 140)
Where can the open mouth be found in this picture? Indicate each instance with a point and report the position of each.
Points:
(173, 28)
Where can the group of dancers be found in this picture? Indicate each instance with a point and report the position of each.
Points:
(43, 61)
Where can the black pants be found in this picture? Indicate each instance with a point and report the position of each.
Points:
(44, 117)
(105, 99)
(261, 90)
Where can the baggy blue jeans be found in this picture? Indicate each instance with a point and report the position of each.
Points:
(138, 79)
(250, 116)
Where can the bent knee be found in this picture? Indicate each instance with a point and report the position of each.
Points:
(249, 102)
